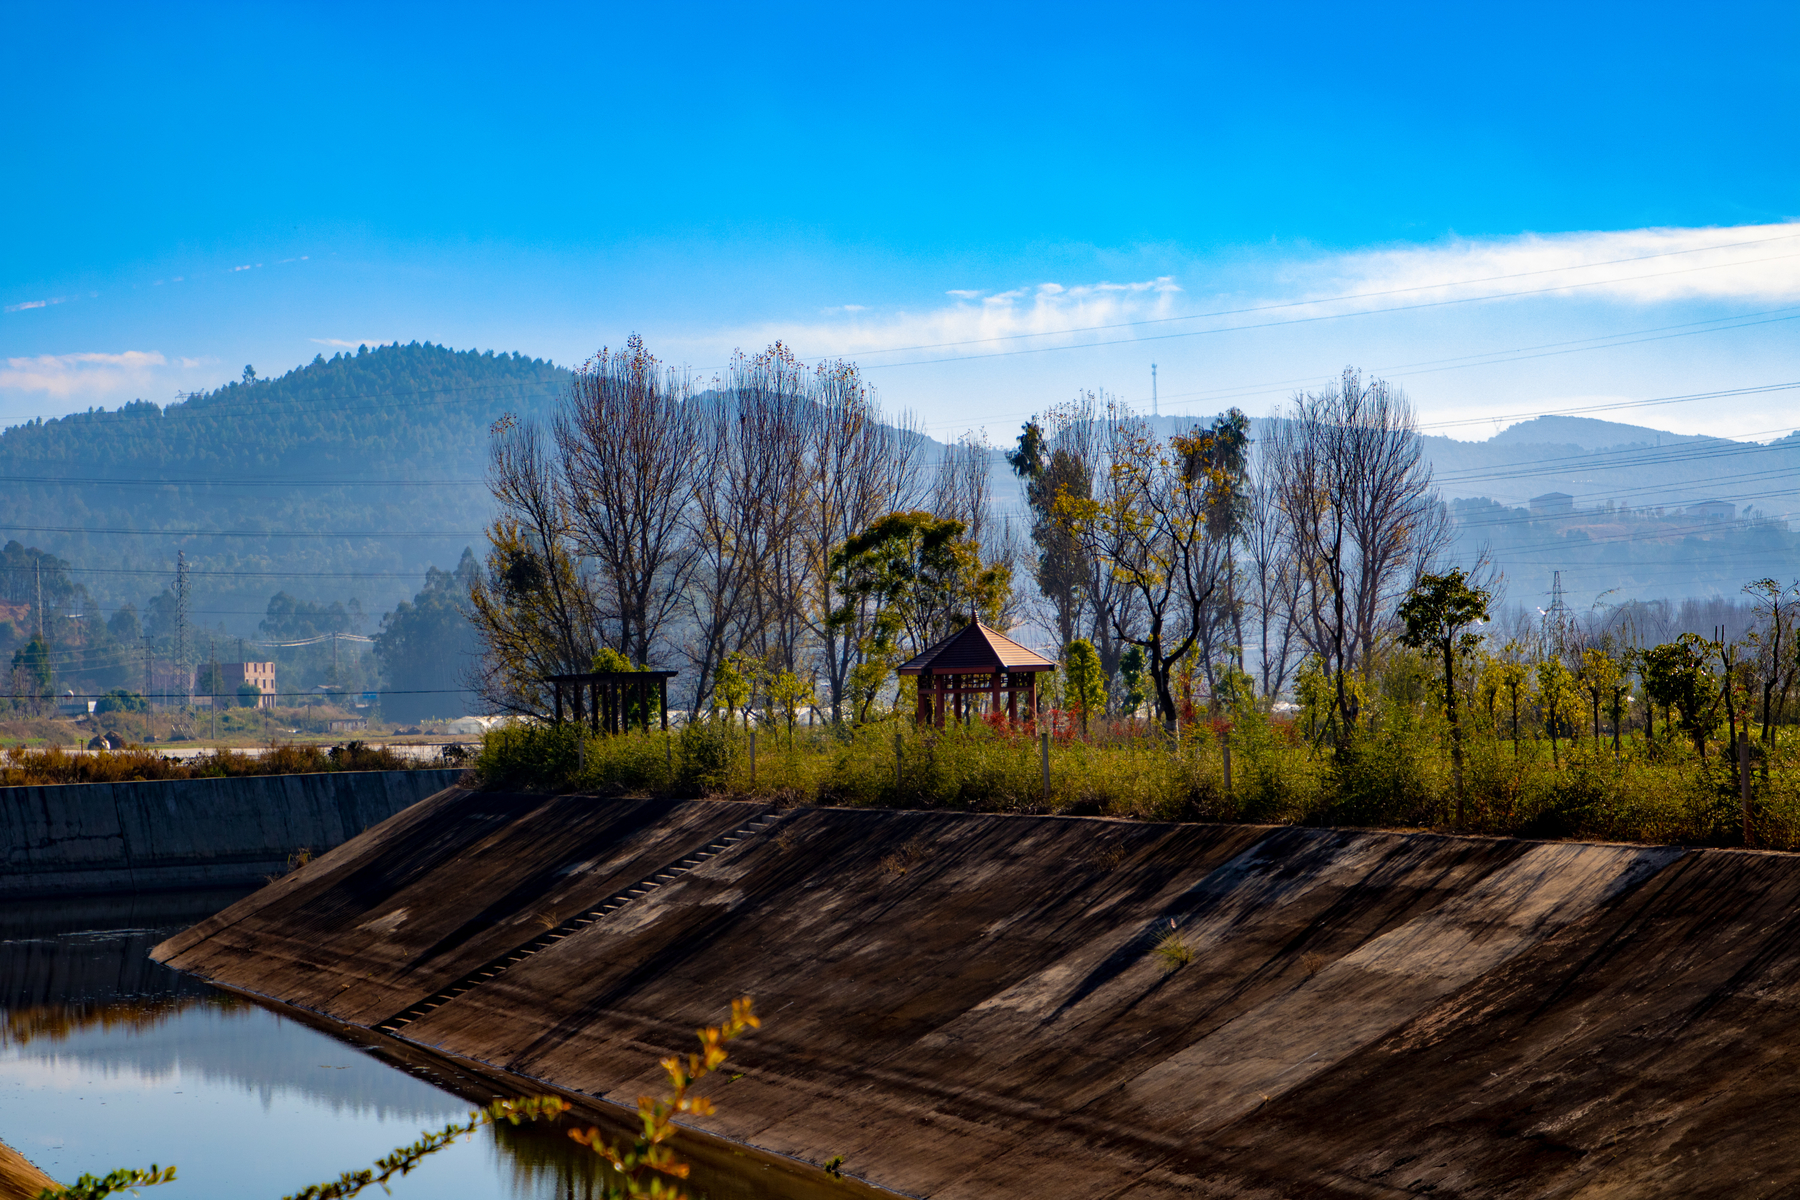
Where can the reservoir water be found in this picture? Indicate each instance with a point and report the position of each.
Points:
(108, 1059)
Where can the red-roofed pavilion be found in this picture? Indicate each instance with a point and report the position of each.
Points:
(973, 662)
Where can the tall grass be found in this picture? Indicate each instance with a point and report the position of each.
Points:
(1396, 773)
(24, 767)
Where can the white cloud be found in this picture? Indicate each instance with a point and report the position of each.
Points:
(352, 344)
(1034, 314)
(64, 375)
(1744, 262)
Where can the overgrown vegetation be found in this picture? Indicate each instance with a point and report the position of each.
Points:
(23, 767)
(1397, 771)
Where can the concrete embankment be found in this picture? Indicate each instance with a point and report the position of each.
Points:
(20, 1178)
(972, 1005)
(189, 833)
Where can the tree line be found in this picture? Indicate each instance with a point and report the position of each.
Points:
(773, 526)
(777, 523)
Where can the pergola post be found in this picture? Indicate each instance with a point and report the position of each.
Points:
(556, 689)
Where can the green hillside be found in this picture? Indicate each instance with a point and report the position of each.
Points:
(375, 458)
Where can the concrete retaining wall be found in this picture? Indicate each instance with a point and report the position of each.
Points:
(974, 1006)
(120, 837)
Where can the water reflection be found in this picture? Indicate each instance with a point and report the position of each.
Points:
(109, 1059)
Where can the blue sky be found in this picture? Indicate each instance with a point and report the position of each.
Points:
(191, 189)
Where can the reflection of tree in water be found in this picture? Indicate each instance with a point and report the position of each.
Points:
(61, 982)
(78, 988)
(541, 1162)
(58, 1022)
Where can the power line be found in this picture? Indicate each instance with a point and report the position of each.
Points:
(244, 533)
(96, 480)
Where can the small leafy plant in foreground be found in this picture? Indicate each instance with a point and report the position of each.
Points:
(98, 1187)
(640, 1169)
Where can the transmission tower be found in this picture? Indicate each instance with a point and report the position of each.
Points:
(1556, 617)
(1154, 413)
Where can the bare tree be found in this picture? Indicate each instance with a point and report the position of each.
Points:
(1356, 495)
(745, 511)
(1272, 591)
(630, 445)
(535, 611)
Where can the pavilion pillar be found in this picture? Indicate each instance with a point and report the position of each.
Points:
(939, 701)
(1012, 700)
(663, 688)
(994, 695)
(922, 707)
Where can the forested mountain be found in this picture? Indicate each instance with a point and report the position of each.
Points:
(344, 479)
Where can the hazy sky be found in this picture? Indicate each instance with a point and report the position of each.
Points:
(988, 208)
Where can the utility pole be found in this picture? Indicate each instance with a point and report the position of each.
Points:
(181, 622)
(42, 641)
(149, 682)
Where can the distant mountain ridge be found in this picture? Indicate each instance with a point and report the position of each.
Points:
(1588, 433)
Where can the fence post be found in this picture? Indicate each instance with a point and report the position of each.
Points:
(1044, 761)
(753, 760)
(896, 764)
(1225, 747)
(1744, 782)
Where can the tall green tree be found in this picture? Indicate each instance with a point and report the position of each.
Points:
(426, 647)
(1436, 613)
(1677, 675)
(32, 676)
(1085, 680)
(922, 570)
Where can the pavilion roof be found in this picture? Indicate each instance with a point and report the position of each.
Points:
(975, 650)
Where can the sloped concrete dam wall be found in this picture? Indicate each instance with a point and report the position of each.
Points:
(969, 1006)
(189, 833)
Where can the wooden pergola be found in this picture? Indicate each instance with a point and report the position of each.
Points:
(603, 697)
(973, 663)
